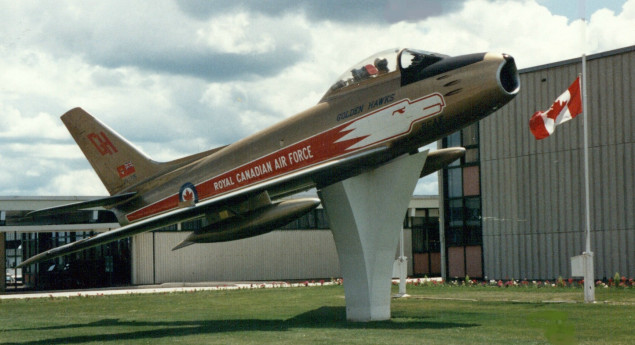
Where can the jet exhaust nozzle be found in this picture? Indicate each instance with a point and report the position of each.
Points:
(507, 75)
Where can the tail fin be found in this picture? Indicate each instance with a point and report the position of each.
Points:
(117, 163)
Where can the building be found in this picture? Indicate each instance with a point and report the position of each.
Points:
(512, 208)
(22, 237)
(304, 249)
(518, 204)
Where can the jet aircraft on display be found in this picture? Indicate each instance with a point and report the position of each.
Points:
(387, 106)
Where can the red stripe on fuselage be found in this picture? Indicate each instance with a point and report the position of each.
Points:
(309, 152)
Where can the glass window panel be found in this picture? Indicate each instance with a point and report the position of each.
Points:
(470, 135)
(455, 188)
(471, 181)
(473, 211)
(191, 225)
(454, 139)
(474, 235)
(456, 212)
(472, 155)
(418, 239)
(432, 231)
(454, 236)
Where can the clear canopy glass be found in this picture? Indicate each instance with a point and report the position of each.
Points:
(384, 62)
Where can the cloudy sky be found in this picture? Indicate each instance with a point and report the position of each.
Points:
(178, 77)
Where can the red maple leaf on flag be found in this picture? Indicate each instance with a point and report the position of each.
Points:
(566, 107)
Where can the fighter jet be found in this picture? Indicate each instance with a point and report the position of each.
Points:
(386, 106)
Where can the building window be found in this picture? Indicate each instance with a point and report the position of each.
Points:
(462, 200)
(455, 182)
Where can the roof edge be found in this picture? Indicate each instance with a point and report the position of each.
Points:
(578, 59)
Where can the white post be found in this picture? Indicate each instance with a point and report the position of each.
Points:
(589, 279)
(403, 268)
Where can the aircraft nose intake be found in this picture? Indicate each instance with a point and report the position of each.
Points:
(507, 75)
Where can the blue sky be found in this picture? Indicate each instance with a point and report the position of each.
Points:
(178, 77)
(574, 9)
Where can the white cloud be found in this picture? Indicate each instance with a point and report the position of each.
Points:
(427, 186)
(82, 182)
(236, 33)
(13, 125)
(173, 82)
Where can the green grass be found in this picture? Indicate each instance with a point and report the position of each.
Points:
(316, 315)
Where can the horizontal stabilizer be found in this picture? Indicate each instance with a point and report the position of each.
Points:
(107, 201)
(441, 158)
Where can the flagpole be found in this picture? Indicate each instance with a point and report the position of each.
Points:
(589, 280)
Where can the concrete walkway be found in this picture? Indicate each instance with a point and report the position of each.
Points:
(163, 288)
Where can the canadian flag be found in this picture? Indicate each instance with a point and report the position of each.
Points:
(566, 107)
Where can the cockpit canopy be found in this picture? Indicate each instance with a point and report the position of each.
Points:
(381, 64)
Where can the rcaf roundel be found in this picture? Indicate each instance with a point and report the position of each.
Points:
(188, 193)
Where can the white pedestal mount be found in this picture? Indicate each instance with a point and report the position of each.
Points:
(366, 214)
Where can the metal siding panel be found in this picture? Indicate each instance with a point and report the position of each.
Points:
(613, 177)
(542, 255)
(555, 210)
(505, 135)
(511, 252)
(577, 190)
(522, 111)
(630, 248)
(595, 187)
(620, 184)
(565, 183)
(629, 186)
(489, 139)
(565, 255)
(543, 192)
(596, 128)
(609, 100)
(617, 86)
(529, 257)
(488, 256)
(605, 180)
(142, 265)
(549, 254)
(628, 105)
(529, 191)
(622, 252)
(496, 193)
(303, 254)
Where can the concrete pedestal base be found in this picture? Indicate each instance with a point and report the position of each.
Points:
(366, 214)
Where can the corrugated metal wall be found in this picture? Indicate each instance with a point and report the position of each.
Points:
(273, 256)
(278, 255)
(533, 191)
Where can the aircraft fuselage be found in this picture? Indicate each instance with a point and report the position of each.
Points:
(386, 111)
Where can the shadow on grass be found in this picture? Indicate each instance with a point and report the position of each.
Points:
(325, 317)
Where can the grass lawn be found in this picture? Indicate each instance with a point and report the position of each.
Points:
(316, 315)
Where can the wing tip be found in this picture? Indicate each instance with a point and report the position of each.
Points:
(183, 244)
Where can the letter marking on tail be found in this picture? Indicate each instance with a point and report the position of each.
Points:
(102, 143)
